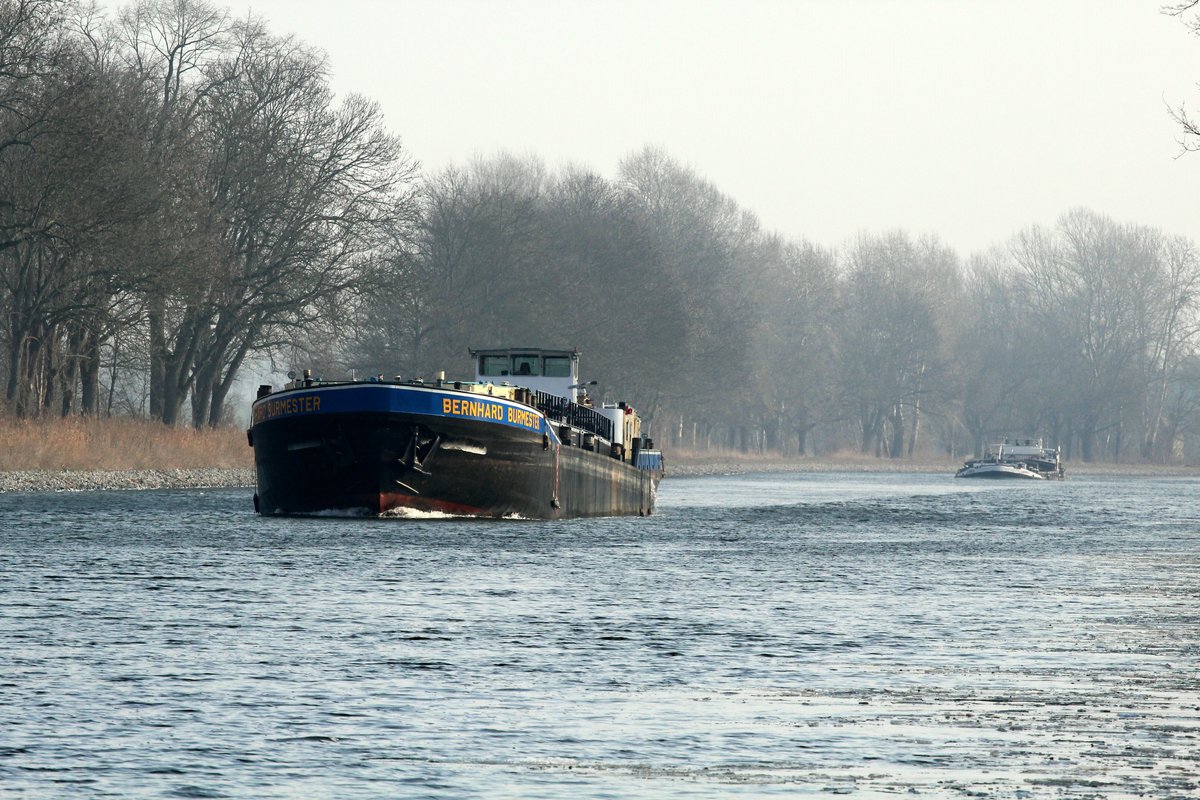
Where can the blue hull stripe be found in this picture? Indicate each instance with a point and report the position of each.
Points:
(382, 398)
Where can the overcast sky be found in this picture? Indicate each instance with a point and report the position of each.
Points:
(970, 120)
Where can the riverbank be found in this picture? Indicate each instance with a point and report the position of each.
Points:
(119, 444)
(701, 465)
(681, 465)
(66, 480)
(119, 453)
(93, 480)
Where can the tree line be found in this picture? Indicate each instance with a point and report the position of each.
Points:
(182, 196)
(179, 191)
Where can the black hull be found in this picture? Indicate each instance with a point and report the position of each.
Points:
(379, 462)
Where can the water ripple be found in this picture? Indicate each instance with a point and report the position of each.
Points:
(759, 636)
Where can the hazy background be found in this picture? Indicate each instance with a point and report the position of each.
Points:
(969, 120)
(801, 228)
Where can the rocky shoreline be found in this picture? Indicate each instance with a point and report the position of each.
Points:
(692, 467)
(92, 480)
(220, 478)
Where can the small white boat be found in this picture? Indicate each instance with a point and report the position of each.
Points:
(1029, 459)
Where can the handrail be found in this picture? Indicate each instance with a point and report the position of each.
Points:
(560, 409)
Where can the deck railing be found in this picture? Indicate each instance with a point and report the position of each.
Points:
(560, 409)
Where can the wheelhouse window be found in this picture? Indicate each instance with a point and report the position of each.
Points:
(493, 365)
(525, 365)
(557, 367)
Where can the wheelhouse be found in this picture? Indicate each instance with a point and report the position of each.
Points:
(554, 372)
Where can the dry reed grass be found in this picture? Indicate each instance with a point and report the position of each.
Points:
(118, 444)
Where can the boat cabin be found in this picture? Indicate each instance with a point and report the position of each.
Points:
(1020, 448)
(554, 372)
(553, 375)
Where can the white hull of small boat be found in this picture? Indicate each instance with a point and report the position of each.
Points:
(1018, 471)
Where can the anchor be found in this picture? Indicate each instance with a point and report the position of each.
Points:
(417, 455)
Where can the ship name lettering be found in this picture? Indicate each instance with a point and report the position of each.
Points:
(481, 409)
(284, 406)
(472, 408)
(524, 418)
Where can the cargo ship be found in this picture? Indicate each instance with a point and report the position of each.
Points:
(522, 439)
(1027, 459)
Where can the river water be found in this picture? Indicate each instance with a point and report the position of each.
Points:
(767, 635)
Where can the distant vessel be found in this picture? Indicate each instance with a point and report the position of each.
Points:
(521, 439)
(1023, 458)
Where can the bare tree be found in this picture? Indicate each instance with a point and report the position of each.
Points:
(706, 249)
(892, 335)
(1092, 287)
(1189, 140)
(285, 194)
(167, 44)
(794, 349)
